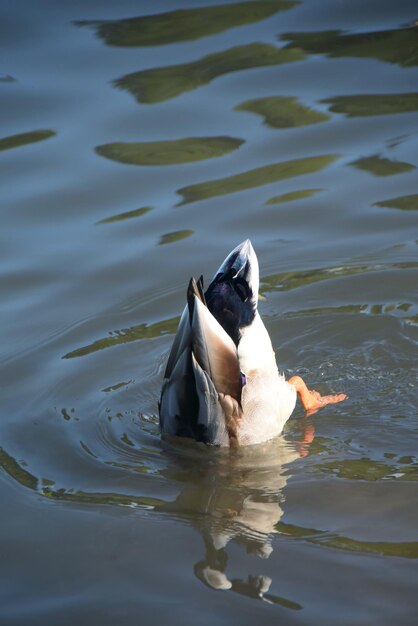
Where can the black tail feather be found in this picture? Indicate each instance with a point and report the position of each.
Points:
(195, 289)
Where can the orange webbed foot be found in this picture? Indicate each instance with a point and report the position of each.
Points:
(312, 400)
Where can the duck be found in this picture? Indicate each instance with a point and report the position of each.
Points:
(221, 383)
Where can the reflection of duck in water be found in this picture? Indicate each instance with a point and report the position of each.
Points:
(235, 495)
(221, 384)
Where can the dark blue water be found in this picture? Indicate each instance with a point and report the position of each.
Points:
(139, 143)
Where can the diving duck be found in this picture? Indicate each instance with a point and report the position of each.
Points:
(221, 384)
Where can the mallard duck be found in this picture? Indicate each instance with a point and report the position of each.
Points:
(221, 384)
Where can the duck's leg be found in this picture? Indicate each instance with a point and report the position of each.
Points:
(312, 400)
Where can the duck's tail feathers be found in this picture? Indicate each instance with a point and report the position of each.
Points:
(201, 395)
(195, 290)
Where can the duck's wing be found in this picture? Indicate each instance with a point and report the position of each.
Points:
(201, 392)
(178, 402)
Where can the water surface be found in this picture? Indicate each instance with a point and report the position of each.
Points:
(139, 143)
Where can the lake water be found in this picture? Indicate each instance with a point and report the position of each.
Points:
(139, 143)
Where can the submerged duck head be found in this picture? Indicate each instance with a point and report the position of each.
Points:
(232, 296)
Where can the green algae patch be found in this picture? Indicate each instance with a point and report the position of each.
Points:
(356, 469)
(16, 471)
(117, 386)
(379, 166)
(254, 178)
(404, 203)
(292, 196)
(399, 46)
(45, 488)
(23, 139)
(283, 112)
(184, 24)
(163, 83)
(120, 217)
(286, 281)
(173, 152)
(177, 235)
(368, 105)
(127, 335)
(327, 539)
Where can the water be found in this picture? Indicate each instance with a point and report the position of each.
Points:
(295, 125)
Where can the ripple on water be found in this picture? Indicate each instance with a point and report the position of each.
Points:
(326, 512)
